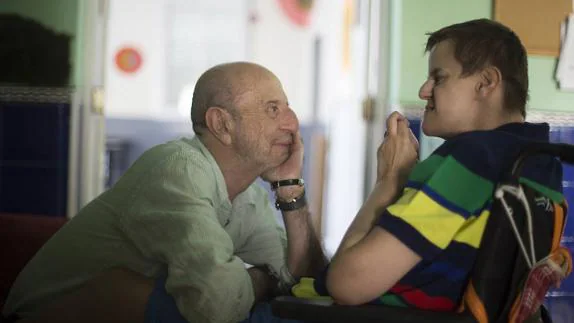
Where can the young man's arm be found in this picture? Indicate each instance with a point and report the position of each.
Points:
(371, 260)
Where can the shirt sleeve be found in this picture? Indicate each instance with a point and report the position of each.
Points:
(443, 195)
(267, 243)
(172, 220)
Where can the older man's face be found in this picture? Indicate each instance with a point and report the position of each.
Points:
(266, 124)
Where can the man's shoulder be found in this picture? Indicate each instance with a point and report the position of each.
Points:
(183, 151)
(185, 147)
(173, 161)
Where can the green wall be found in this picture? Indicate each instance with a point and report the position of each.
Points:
(60, 15)
(417, 17)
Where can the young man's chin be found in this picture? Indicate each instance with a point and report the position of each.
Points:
(431, 132)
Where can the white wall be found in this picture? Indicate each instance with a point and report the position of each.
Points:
(178, 40)
(137, 23)
(341, 94)
(286, 49)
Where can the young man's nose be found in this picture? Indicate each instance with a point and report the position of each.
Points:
(425, 91)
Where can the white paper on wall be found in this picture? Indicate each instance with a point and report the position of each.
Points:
(565, 68)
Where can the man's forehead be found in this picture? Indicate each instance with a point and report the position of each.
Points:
(442, 57)
(260, 94)
(268, 90)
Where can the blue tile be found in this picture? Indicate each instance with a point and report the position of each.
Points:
(561, 309)
(34, 158)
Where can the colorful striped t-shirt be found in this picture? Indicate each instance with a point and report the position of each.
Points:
(444, 208)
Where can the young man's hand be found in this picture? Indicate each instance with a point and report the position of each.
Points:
(398, 153)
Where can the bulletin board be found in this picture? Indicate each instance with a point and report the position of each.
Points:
(536, 22)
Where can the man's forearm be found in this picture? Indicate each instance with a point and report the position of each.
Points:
(384, 193)
(305, 254)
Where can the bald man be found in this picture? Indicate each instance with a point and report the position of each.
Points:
(186, 234)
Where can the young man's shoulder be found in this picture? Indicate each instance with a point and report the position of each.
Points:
(485, 153)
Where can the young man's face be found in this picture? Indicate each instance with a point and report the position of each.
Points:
(451, 98)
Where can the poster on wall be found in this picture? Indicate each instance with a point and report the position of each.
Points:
(128, 60)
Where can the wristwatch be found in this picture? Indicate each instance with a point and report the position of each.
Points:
(293, 204)
(287, 182)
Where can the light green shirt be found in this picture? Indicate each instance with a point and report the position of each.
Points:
(170, 208)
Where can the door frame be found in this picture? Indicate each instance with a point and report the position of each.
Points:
(87, 133)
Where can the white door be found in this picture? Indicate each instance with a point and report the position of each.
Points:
(87, 140)
(355, 125)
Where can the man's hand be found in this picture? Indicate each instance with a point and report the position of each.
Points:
(398, 153)
(292, 167)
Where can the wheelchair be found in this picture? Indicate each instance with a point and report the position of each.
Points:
(520, 258)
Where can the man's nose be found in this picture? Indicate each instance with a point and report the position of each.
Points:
(289, 121)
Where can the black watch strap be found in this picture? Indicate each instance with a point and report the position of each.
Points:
(287, 182)
(293, 204)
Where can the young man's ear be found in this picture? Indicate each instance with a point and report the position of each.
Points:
(490, 78)
(219, 122)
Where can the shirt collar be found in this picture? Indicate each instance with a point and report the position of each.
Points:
(531, 131)
(245, 197)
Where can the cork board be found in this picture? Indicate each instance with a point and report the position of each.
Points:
(536, 22)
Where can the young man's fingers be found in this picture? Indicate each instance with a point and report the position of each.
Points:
(392, 122)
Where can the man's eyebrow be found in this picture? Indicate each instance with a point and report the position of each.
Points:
(276, 102)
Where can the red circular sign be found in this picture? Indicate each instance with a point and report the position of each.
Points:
(128, 60)
(297, 11)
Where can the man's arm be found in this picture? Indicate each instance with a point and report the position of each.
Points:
(305, 255)
(304, 252)
(172, 222)
(279, 252)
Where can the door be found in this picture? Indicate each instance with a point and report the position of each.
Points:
(356, 124)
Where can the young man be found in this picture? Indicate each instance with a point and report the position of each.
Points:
(415, 240)
(180, 225)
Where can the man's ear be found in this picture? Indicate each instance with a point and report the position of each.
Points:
(490, 78)
(220, 124)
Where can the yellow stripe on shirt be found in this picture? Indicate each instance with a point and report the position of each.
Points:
(471, 232)
(436, 223)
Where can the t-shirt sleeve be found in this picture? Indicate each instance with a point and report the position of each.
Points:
(443, 195)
